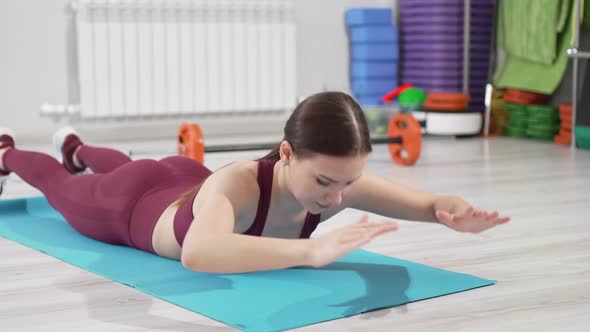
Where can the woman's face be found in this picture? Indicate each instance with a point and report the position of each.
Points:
(320, 182)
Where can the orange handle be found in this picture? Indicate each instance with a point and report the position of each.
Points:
(190, 142)
(408, 129)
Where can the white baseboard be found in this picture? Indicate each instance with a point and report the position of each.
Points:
(164, 128)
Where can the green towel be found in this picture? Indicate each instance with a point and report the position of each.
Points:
(564, 13)
(521, 71)
(530, 29)
(524, 66)
(586, 14)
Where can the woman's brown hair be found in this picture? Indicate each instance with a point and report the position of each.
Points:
(330, 123)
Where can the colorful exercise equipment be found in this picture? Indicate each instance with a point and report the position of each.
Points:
(404, 139)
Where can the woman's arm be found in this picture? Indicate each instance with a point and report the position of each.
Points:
(373, 193)
(211, 246)
(376, 194)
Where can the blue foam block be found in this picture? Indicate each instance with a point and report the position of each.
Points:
(371, 34)
(373, 86)
(364, 100)
(381, 52)
(368, 16)
(367, 69)
(263, 301)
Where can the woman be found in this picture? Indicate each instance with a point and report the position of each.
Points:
(248, 216)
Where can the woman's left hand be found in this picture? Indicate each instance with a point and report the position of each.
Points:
(462, 217)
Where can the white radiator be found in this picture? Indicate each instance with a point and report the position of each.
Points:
(176, 57)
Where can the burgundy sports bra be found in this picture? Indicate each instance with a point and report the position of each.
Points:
(184, 215)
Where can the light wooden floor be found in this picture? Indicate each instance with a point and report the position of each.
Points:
(541, 259)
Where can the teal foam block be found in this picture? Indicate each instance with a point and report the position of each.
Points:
(265, 301)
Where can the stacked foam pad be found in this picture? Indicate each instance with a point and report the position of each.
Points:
(446, 102)
(542, 122)
(565, 117)
(499, 113)
(565, 133)
(517, 120)
(528, 116)
(373, 53)
(431, 39)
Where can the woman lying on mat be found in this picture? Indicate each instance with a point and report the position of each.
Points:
(248, 216)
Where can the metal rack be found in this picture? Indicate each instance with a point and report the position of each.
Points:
(575, 54)
(466, 37)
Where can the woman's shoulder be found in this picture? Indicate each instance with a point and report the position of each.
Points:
(237, 181)
(243, 170)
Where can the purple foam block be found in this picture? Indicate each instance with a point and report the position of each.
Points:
(443, 74)
(441, 71)
(440, 14)
(441, 37)
(425, 54)
(437, 87)
(477, 95)
(436, 63)
(429, 89)
(478, 92)
(476, 103)
(444, 56)
(476, 12)
(423, 3)
(450, 86)
(423, 65)
(442, 81)
(444, 47)
(443, 20)
(473, 86)
(444, 28)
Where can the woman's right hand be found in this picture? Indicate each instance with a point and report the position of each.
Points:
(331, 246)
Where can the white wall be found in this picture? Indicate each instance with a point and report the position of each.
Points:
(34, 66)
(32, 62)
(323, 44)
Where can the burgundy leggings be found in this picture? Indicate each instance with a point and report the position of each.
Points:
(121, 202)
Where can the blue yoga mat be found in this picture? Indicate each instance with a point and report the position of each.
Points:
(263, 301)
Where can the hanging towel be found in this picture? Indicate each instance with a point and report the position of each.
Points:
(522, 71)
(530, 29)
